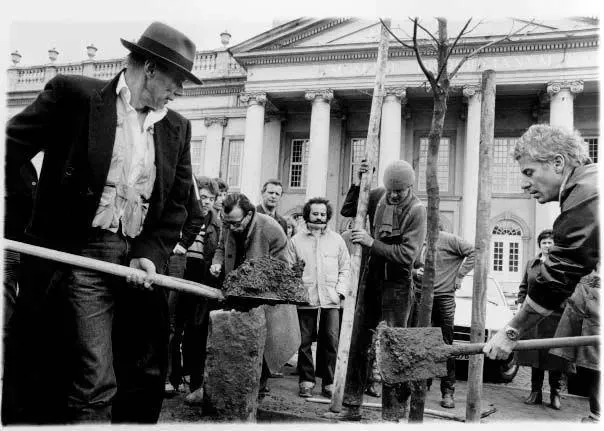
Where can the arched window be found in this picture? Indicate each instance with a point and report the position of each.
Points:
(506, 252)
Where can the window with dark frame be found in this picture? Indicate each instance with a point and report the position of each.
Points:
(592, 148)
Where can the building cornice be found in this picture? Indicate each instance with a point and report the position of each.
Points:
(368, 52)
(316, 29)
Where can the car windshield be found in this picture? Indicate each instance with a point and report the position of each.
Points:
(493, 295)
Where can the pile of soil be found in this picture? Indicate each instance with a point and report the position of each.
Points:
(266, 280)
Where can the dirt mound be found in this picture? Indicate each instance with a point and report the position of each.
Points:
(266, 280)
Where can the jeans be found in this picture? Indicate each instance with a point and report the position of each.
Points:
(376, 300)
(443, 316)
(327, 345)
(120, 361)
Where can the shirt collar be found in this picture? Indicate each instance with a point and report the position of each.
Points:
(125, 94)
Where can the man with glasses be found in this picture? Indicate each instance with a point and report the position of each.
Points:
(246, 234)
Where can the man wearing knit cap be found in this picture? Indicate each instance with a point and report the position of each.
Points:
(397, 231)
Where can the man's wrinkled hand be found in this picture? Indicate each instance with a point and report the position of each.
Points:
(215, 269)
(179, 250)
(141, 281)
(361, 236)
(458, 283)
(499, 347)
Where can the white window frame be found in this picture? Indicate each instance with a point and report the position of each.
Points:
(234, 186)
(509, 182)
(303, 164)
(197, 159)
(589, 140)
(444, 183)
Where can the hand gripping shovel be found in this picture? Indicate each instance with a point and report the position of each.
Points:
(405, 354)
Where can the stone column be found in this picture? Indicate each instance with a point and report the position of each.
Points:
(318, 152)
(561, 113)
(469, 200)
(215, 130)
(390, 129)
(251, 166)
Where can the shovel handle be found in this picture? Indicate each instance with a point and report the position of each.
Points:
(168, 282)
(540, 343)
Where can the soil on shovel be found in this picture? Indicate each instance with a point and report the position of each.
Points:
(266, 280)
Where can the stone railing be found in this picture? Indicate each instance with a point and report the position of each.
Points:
(207, 65)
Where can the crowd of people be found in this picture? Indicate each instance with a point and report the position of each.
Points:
(116, 185)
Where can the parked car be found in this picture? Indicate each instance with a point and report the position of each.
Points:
(498, 313)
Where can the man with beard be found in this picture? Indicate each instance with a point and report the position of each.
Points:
(326, 271)
(271, 196)
(398, 229)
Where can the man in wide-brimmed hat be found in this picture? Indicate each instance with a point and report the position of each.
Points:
(114, 184)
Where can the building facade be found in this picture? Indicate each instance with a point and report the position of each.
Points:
(293, 103)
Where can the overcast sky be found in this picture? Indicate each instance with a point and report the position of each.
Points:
(34, 26)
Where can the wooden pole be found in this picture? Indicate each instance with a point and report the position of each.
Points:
(482, 244)
(371, 151)
(171, 283)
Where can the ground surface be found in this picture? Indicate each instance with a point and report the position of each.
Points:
(282, 404)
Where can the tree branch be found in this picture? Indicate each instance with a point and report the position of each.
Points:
(394, 36)
(429, 75)
(426, 30)
(459, 35)
(483, 47)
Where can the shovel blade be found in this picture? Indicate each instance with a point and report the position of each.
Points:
(406, 354)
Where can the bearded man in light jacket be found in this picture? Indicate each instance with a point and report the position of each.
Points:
(326, 272)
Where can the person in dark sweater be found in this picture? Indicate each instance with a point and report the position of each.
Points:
(454, 260)
(272, 190)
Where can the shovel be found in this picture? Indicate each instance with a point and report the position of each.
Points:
(405, 354)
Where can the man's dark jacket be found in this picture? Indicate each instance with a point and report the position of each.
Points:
(576, 249)
(73, 121)
(277, 217)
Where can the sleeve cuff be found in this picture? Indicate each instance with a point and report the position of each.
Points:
(538, 308)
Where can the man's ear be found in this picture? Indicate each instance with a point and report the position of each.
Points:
(559, 163)
(150, 68)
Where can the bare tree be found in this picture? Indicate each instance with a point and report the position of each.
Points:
(440, 85)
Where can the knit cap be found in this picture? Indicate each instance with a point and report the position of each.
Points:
(399, 175)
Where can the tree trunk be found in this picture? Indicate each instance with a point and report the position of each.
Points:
(482, 244)
(418, 397)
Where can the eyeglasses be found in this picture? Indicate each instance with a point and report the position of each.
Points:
(235, 223)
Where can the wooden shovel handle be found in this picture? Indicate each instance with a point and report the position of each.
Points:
(113, 269)
(541, 343)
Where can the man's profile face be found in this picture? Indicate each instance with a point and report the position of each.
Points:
(236, 220)
(540, 179)
(271, 196)
(318, 214)
(161, 87)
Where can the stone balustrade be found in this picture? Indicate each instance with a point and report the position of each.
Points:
(207, 65)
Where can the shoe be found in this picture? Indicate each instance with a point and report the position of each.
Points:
(195, 398)
(350, 414)
(591, 419)
(374, 390)
(306, 389)
(327, 391)
(536, 397)
(554, 399)
(448, 402)
(170, 390)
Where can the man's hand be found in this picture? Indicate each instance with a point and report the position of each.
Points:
(361, 236)
(458, 281)
(418, 273)
(500, 346)
(342, 298)
(215, 269)
(179, 250)
(146, 265)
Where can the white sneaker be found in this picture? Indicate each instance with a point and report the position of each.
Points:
(170, 390)
(195, 398)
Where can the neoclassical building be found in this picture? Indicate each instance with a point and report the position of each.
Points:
(293, 103)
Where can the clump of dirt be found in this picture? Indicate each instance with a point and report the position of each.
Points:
(405, 354)
(266, 280)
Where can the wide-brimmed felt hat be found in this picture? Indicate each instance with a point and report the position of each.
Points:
(167, 45)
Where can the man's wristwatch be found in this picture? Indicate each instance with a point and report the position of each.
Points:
(511, 333)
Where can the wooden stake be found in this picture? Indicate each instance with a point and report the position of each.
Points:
(482, 244)
(371, 151)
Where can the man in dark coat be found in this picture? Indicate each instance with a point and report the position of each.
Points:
(114, 185)
(555, 167)
(272, 190)
(398, 229)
